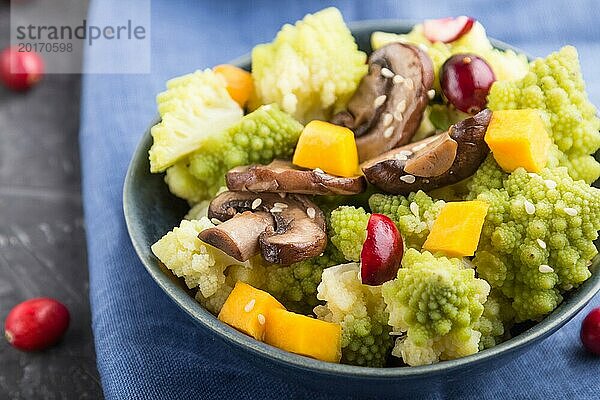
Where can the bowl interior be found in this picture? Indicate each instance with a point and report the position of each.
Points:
(151, 211)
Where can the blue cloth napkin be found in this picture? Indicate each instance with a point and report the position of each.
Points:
(149, 349)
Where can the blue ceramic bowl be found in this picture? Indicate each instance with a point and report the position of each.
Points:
(151, 211)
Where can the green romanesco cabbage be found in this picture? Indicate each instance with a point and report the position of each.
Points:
(488, 176)
(495, 321)
(537, 239)
(360, 310)
(437, 302)
(194, 108)
(295, 286)
(257, 138)
(555, 86)
(311, 69)
(199, 264)
(507, 65)
(348, 230)
(413, 215)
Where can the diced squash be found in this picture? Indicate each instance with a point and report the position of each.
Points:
(456, 230)
(246, 309)
(328, 147)
(304, 335)
(239, 82)
(518, 138)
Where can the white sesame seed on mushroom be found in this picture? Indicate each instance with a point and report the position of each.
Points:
(431, 94)
(379, 100)
(529, 207)
(545, 269)
(398, 79)
(414, 208)
(248, 307)
(401, 106)
(388, 132)
(275, 210)
(387, 119)
(400, 157)
(423, 47)
(283, 206)
(407, 179)
(550, 184)
(282, 195)
(541, 243)
(216, 221)
(570, 211)
(311, 212)
(256, 203)
(318, 171)
(405, 152)
(261, 319)
(387, 73)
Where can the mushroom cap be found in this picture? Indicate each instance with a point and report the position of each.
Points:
(386, 110)
(433, 162)
(283, 177)
(297, 231)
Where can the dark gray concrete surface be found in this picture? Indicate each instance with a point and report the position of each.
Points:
(42, 237)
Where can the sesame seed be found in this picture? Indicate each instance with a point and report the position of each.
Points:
(407, 179)
(257, 202)
(423, 47)
(419, 147)
(379, 100)
(388, 132)
(398, 115)
(387, 119)
(311, 212)
(431, 94)
(400, 157)
(387, 73)
(545, 269)
(414, 208)
(275, 210)
(409, 83)
(568, 286)
(282, 195)
(529, 207)
(215, 221)
(541, 243)
(570, 211)
(318, 171)
(283, 206)
(261, 319)
(550, 184)
(396, 333)
(398, 79)
(401, 106)
(405, 152)
(248, 307)
(533, 175)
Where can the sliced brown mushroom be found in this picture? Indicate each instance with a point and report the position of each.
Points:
(284, 177)
(285, 230)
(434, 162)
(386, 110)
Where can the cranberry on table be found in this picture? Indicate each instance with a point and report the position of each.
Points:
(382, 251)
(466, 80)
(590, 331)
(36, 324)
(20, 71)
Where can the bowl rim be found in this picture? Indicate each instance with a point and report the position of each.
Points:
(561, 315)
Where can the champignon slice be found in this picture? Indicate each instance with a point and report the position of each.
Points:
(284, 177)
(238, 236)
(386, 109)
(296, 230)
(434, 162)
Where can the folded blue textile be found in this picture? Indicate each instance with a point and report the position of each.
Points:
(149, 349)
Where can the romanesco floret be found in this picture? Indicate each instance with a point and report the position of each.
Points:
(413, 215)
(555, 86)
(195, 108)
(184, 185)
(258, 138)
(360, 310)
(437, 302)
(348, 230)
(495, 321)
(295, 286)
(311, 69)
(199, 264)
(488, 176)
(537, 239)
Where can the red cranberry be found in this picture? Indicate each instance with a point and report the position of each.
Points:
(590, 331)
(20, 71)
(448, 29)
(382, 251)
(36, 324)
